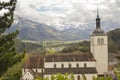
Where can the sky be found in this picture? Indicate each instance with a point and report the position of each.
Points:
(2, 11)
(68, 11)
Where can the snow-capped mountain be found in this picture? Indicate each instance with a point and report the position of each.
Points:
(31, 30)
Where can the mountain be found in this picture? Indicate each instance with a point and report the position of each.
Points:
(114, 43)
(31, 30)
(114, 40)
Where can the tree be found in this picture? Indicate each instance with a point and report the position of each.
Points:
(14, 72)
(83, 77)
(8, 54)
(7, 19)
(58, 76)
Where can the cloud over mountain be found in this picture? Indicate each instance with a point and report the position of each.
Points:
(68, 11)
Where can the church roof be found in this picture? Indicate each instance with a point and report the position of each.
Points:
(34, 61)
(98, 32)
(67, 57)
(70, 70)
(37, 61)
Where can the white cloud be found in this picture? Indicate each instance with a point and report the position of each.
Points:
(3, 11)
(68, 11)
(4, 0)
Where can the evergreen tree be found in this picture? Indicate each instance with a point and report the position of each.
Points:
(8, 54)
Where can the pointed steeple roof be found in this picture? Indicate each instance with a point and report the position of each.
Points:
(98, 30)
(97, 19)
(97, 11)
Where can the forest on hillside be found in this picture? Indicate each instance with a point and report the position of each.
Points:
(65, 47)
(114, 40)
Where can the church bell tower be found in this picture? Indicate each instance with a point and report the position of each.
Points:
(99, 47)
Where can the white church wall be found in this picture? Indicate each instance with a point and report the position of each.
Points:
(102, 60)
(94, 39)
(39, 70)
(100, 52)
(66, 64)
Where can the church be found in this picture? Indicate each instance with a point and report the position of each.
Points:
(93, 63)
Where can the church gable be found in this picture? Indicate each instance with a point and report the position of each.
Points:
(29, 75)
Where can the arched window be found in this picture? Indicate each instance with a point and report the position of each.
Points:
(69, 65)
(54, 65)
(78, 78)
(62, 65)
(98, 41)
(77, 65)
(102, 41)
(85, 65)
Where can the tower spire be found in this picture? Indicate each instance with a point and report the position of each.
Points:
(97, 19)
(98, 30)
(97, 11)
